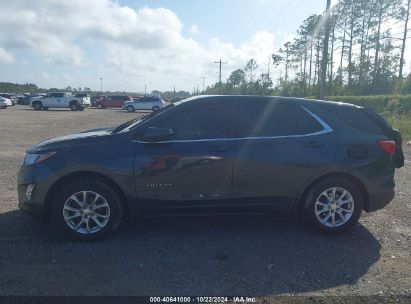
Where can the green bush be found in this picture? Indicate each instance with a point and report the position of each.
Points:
(397, 104)
(402, 123)
(394, 108)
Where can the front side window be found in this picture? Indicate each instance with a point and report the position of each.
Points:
(271, 118)
(201, 122)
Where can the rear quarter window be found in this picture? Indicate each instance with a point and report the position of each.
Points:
(352, 116)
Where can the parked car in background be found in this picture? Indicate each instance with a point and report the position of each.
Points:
(326, 161)
(86, 97)
(97, 99)
(144, 103)
(10, 97)
(115, 101)
(60, 100)
(5, 102)
(35, 96)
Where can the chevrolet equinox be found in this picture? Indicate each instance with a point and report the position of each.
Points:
(325, 161)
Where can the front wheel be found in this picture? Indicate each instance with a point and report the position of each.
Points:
(333, 205)
(87, 210)
(130, 109)
(73, 106)
(37, 106)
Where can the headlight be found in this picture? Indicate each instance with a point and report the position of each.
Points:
(32, 159)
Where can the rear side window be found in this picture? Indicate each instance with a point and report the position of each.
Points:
(351, 115)
(270, 118)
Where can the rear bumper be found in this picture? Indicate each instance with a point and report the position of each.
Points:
(379, 199)
(380, 193)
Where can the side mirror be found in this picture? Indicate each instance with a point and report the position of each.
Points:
(157, 134)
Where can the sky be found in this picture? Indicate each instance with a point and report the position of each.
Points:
(132, 44)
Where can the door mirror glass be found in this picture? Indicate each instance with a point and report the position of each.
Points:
(157, 134)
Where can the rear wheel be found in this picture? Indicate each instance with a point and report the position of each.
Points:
(87, 210)
(37, 106)
(130, 109)
(333, 205)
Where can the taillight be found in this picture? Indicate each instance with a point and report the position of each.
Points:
(388, 146)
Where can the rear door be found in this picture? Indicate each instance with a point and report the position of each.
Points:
(280, 147)
(59, 100)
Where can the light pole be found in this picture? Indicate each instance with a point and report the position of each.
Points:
(101, 84)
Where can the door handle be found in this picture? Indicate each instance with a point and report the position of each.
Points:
(218, 149)
(314, 144)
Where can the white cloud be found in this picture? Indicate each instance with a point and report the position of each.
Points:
(6, 57)
(194, 29)
(127, 47)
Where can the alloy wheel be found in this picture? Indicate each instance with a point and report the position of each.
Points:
(86, 212)
(334, 207)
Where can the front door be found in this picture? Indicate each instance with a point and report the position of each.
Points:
(194, 167)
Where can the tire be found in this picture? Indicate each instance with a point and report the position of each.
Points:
(37, 106)
(130, 109)
(66, 218)
(3, 107)
(155, 108)
(45, 108)
(74, 106)
(81, 108)
(322, 204)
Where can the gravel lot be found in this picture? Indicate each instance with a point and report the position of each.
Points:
(255, 256)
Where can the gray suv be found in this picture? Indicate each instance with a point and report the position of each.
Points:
(325, 161)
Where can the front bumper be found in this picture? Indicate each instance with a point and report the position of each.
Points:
(40, 176)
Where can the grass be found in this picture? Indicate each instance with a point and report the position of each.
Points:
(402, 123)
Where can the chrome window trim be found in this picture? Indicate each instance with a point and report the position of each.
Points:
(326, 129)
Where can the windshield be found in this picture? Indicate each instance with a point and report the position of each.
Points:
(131, 123)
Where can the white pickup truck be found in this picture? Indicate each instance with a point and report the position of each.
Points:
(61, 100)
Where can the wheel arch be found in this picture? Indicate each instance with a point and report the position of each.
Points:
(348, 176)
(83, 175)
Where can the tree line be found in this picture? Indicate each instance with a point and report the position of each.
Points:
(363, 54)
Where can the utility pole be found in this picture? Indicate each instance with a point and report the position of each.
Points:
(269, 64)
(101, 84)
(204, 78)
(174, 92)
(404, 39)
(323, 72)
(219, 75)
(145, 89)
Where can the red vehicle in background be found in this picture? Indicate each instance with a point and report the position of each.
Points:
(115, 101)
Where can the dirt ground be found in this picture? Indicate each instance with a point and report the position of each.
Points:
(254, 256)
